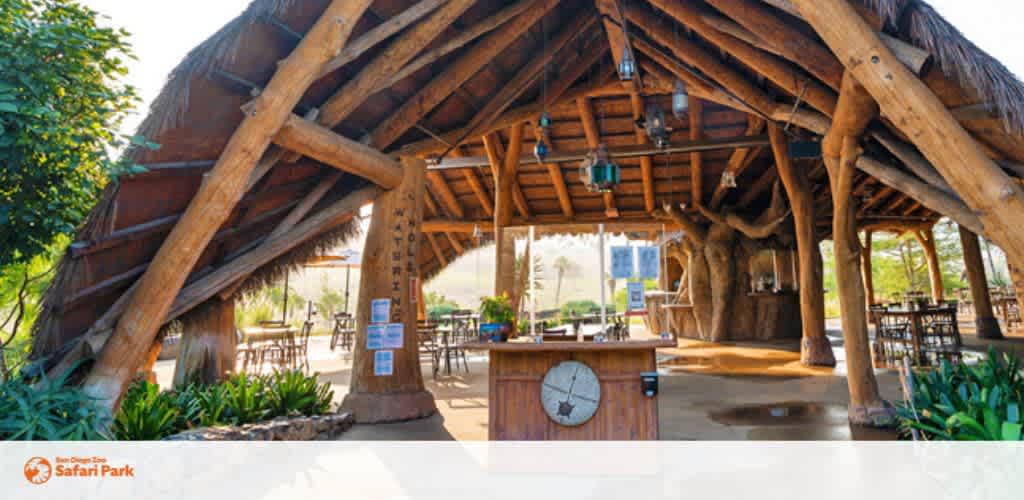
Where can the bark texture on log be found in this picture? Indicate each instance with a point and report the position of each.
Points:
(391, 251)
(984, 318)
(815, 349)
(927, 240)
(866, 271)
(206, 354)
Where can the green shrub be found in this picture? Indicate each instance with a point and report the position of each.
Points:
(213, 405)
(577, 308)
(294, 393)
(50, 411)
(968, 403)
(246, 398)
(147, 414)
(496, 309)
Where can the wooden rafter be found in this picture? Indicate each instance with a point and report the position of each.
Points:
(444, 192)
(739, 161)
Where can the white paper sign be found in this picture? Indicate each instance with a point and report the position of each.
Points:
(635, 296)
(375, 337)
(648, 262)
(383, 363)
(380, 311)
(622, 262)
(393, 335)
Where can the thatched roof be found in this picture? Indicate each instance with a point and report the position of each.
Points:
(198, 110)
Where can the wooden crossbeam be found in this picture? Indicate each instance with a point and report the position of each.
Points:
(442, 86)
(436, 249)
(739, 161)
(481, 192)
(443, 191)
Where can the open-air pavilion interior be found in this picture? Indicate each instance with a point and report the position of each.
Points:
(732, 135)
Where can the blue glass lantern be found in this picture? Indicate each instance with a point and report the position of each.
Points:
(627, 65)
(680, 100)
(541, 150)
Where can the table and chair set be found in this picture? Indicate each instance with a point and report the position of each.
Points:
(925, 333)
(276, 343)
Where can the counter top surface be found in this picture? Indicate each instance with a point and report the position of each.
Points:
(520, 346)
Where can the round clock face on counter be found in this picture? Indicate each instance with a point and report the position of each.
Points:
(570, 393)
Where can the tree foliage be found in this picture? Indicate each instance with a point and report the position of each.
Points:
(60, 104)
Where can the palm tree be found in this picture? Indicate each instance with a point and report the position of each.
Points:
(563, 267)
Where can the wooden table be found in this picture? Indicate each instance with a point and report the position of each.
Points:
(914, 317)
(517, 370)
(1003, 303)
(263, 334)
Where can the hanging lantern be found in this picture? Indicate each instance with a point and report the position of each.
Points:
(680, 100)
(545, 121)
(654, 123)
(728, 180)
(541, 150)
(627, 65)
(597, 172)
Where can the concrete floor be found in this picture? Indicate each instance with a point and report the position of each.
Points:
(707, 392)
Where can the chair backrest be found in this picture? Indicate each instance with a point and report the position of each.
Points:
(303, 338)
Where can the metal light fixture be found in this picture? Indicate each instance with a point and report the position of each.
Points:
(654, 124)
(597, 172)
(728, 180)
(680, 100)
(541, 150)
(627, 64)
(544, 122)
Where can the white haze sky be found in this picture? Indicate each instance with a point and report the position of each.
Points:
(163, 31)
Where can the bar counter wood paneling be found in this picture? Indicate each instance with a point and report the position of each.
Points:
(517, 370)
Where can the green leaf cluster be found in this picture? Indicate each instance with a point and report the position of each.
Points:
(60, 105)
(146, 413)
(496, 309)
(49, 410)
(968, 403)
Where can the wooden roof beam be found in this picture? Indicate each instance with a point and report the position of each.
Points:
(444, 192)
(317, 142)
(442, 85)
(636, 101)
(611, 17)
(739, 161)
(436, 248)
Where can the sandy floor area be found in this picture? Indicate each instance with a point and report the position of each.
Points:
(707, 392)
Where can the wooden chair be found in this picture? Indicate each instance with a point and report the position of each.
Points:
(893, 338)
(244, 352)
(344, 331)
(941, 337)
(298, 348)
(427, 334)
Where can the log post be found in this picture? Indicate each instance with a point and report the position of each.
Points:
(206, 354)
(146, 370)
(504, 241)
(865, 269)
(223, 186)
(392, 246)
(984, 318)
(815, 349)
(926, 237)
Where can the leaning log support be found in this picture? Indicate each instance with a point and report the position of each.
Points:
(206, 354)
(815, 349)
(215, 200)
(392, 248)
(918, 113)
(984, 318)
(926, 238)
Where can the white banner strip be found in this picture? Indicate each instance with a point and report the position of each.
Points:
(514, 471)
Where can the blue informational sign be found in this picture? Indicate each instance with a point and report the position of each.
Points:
(393, 335)
(375, 337)
(380, 310)
(648, 262)
(635, 300)
(383, 363)
(622, 262)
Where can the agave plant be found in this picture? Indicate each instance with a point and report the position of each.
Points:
(246, 398)
(969, 403)
(294, 393)
(146, 414)
(49, 410)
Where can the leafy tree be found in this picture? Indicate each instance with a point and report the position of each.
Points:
(563, 268)
(439, 306)
(60, 103)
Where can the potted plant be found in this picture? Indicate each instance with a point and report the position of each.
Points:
(496, 318)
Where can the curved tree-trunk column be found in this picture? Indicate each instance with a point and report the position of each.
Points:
(700, 285)
(389, 262)
(865, 270)
(718, 254)
(984, 319)
(206, 354)
(927, 240)
(146, 371)
(815, 349)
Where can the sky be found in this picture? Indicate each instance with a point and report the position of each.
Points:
(163, 32)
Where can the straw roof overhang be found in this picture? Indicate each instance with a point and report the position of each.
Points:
(199, 109)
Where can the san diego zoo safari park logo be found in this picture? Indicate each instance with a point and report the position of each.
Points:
(39, 470)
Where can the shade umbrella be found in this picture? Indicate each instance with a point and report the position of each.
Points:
(348, 260)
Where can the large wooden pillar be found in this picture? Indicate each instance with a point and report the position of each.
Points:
(840, 150)
(865, 270)
(926, 238)
(221, 190)
(389, 272)
(206, 354)
(504, 241)
(815, 349)
(984, 319)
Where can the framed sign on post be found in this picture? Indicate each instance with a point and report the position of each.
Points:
(648, 262)
(636, 303)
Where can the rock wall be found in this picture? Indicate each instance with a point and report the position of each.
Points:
(319, 428)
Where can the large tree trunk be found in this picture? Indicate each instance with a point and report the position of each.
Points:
(815, 349)
(927, 240)
(700, 292)
(206, 354)
(866, 271)
(392, 245)
(984, 319)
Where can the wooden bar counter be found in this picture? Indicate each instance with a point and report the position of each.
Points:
(517, 380)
